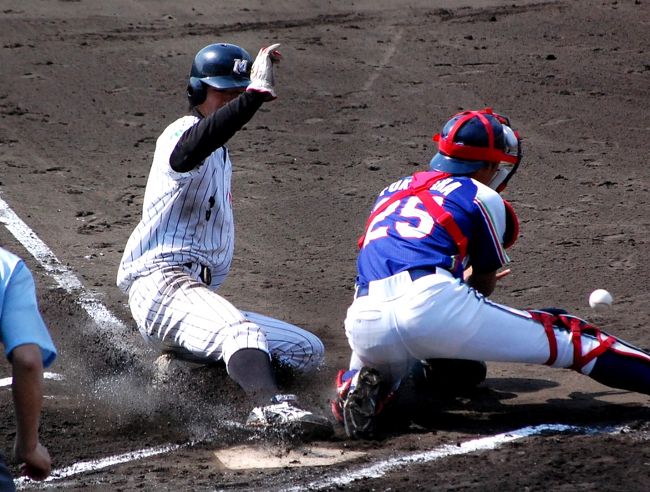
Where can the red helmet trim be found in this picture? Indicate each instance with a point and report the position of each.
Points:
(448, 147)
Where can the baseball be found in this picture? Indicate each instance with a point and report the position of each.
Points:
(600, 299)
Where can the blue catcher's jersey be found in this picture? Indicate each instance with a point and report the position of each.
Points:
(405, 236)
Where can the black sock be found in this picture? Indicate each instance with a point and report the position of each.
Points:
(252, 370)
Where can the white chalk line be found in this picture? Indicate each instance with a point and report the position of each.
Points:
(7, 382)
(94, 465)
(375, 470)
(388, 54)
(63, 276)
(99, 464)
(46, 375)
(102, 317)
(383, 63)
(379, 469)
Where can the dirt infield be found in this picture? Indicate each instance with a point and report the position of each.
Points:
(88, 86)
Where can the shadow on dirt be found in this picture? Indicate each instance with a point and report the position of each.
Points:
(482, 409)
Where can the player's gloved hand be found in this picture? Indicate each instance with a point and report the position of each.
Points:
(262, 76)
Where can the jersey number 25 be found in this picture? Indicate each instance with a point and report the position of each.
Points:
(422, 228)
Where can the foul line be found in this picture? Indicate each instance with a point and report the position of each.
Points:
(487, 443)
(94, 465)
(61, 274)
(46, 375)
(376, 470)
(388, 54)
(99, 464)
(102, 317)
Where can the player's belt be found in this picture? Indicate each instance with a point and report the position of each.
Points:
(416, 273)
(205, 275)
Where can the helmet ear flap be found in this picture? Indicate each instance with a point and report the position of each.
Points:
(196, 91)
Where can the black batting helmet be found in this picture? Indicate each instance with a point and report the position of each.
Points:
(220, 65)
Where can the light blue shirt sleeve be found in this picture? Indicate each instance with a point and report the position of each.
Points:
(20, 320)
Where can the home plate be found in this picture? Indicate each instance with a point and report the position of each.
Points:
(247, 457)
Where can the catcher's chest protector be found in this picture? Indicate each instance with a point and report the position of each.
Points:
(419, 186)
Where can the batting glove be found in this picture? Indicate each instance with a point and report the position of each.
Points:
(262, 77)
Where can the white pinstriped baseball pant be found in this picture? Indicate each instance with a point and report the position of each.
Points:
(176, 312)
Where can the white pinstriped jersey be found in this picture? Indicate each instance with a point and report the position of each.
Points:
(186, 218)
(187, 227)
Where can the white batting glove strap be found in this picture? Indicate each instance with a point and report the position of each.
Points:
(262, 76)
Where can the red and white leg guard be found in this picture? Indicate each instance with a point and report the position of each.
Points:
(616, 363)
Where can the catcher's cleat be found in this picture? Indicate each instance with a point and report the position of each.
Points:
(285, 415)
(343, 385)
(365, 400)
(449, 375)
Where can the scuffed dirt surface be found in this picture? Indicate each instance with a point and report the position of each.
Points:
(88, 86)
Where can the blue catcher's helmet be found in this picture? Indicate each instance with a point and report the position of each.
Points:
(472, 139)
(220, 65)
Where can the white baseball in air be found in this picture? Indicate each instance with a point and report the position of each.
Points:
(600, 299)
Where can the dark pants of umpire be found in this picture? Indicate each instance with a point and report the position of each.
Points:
(6, 480)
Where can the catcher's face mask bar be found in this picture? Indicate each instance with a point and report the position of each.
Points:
(508, 168)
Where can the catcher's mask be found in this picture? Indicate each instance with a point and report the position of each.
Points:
(473, 139)
(220, 65)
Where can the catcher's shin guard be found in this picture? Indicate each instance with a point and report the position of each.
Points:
(616, 363)
(624, 367)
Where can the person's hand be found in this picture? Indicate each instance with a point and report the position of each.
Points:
(503, 273)
(35, 464)
(262, 76)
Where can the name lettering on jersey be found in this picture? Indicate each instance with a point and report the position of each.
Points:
(402, 184)
(445, 186)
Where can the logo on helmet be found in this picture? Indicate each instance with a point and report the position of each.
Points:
(240, 67)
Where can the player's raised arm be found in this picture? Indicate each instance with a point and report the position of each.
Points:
(225, 90)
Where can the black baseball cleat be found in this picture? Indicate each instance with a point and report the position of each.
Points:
(284, 415)
(449, 376)
(364, 402)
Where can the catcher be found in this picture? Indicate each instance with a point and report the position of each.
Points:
(430, 255)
